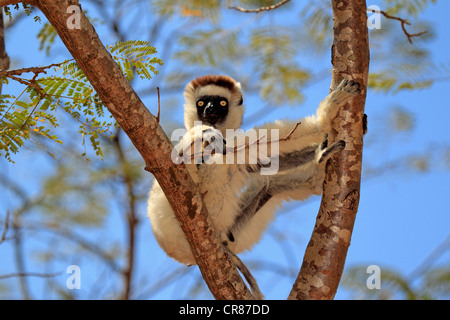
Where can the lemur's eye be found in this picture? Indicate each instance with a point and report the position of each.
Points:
(200, 103)
(223, 103)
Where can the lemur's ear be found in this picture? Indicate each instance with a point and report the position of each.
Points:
(241, 102)
(238, 85)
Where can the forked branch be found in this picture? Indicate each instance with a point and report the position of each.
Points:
(403, 23)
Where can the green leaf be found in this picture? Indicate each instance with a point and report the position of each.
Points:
(135, 56)
(69, 89)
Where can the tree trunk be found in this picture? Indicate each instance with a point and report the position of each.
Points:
(326, 252)
(150, 140)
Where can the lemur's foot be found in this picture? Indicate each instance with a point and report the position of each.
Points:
(349, 86)
(345, 90)
(212, 142)
(213, 139)
(200, 143)
(327, 152)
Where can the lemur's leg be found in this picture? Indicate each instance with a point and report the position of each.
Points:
(327, 152)
(329, 107)
(253, 200)
(301, 157)
(287, 160)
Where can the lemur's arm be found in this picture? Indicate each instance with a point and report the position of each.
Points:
(257, 195)
(301, 171)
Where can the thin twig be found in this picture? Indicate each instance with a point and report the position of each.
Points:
(159, 105)
(244, 146)
(268, 8)
(68, 234)
(430, 260)
(132, 220)
(290, 133)
(14, 75)
(5, 230)
(29, 83)
(29, 274)
(35, 70)
(288, 137)
(236, 148)
(19, 257)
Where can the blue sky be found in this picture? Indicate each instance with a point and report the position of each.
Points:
(402, 215)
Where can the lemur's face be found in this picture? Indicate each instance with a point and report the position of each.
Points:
(212, 109)
(215, 101)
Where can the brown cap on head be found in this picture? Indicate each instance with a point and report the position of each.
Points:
(220, 81)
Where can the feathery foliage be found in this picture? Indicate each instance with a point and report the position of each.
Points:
(33, 112)
(25, 6)
(409, 77)
(134, 56)
(281, 76)
(412, 7)
(432, 284)
(208, 48)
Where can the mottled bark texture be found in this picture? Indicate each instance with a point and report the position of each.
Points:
(326, 252)
(150, 140)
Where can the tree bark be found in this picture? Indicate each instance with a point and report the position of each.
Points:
(150, 140)
(326, 252)
(4, 59)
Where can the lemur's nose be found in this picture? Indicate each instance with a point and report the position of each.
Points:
(209, 108)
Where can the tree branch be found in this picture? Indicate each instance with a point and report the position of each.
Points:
(29, 274)
(18, 255)
(35, 70)
(131, 216)
(326, 252)
(403, 24)
(155, 148)
(13, 74)
(4, 59)
(68, 234)
(5, 228)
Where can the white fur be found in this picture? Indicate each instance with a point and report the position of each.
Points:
(303, 181)
(219, 183)
(222, 184)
